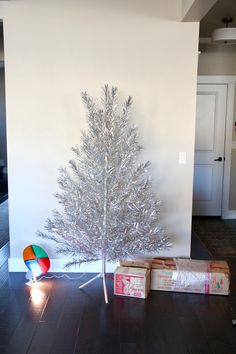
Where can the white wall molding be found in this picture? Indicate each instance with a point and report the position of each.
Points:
(233, 144)
(57, 266)
(216, 79)
(231, 214)
(228, 149)
(230, 81)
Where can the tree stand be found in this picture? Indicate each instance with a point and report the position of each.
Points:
(100, 275)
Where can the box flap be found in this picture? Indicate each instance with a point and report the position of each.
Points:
(137, 263)
(132, 271)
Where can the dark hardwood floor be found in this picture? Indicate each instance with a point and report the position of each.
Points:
(58, 318)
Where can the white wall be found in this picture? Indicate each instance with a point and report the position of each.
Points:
(3, 148)
(232, 197)
(217, 60)
(54, 50)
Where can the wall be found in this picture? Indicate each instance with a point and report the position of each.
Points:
(232, 199)
(232, 195)
(3, 142)
(1, 43)
(3, 148)
(221, 60)
(54, 50)
(217, 60)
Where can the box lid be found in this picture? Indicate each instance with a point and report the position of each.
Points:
(131, 271)
(138, 263)
(191, 265)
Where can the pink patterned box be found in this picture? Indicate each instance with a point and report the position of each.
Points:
(130, 281)
(190, 276)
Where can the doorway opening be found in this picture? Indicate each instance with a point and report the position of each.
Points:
(3, 139)
(214, 223)
(4, 223)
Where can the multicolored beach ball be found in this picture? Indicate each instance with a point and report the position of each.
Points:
(36, 259)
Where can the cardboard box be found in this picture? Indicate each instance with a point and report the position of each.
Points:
(132, 281)
(187, 275)
(139, 263)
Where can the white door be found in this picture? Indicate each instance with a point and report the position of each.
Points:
(209, 149)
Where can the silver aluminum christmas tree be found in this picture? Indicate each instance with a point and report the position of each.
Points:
(109, 209)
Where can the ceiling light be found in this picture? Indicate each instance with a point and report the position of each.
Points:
(225, 35)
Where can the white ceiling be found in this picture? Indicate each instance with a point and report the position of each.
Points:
(213, 19)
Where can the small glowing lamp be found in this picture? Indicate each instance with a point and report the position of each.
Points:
(38, 263)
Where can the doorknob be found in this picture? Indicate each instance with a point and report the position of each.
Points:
(219, 159)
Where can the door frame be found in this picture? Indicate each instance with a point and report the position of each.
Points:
(230, 81)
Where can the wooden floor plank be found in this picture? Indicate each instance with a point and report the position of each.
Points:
(42, 339)
(27, 325)
(194, 337)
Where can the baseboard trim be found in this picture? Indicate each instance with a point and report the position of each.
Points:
(230, 214)
(58, 266)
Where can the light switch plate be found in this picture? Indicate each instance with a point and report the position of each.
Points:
(182, 157)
